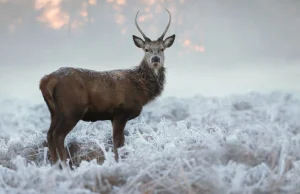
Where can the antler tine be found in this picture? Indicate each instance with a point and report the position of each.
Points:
(170, 18)
(136, 24)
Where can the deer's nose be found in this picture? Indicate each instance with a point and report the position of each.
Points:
(155, 59)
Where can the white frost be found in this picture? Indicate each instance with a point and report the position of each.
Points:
(238, 144)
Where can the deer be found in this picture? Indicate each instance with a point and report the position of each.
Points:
(76, 94)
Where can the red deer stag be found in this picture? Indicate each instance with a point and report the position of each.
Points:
(74, 94)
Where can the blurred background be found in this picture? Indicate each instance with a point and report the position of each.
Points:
(221, 47)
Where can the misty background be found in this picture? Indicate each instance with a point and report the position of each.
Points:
(221, 46)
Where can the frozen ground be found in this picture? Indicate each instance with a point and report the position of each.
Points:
(237, 144)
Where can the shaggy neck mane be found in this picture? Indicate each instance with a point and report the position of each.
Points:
(147, 81)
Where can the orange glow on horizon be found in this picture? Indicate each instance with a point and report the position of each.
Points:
(193, 47)
(92, 2)
(39, 4)
(199, 48)
(121, 2)
(52, 14)
(149, 2)
(56, 15)
(186, 43)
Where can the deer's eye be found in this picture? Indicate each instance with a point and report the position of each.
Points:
(146, 50)
(162, 50)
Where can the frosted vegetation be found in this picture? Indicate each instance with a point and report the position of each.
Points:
(237, 144)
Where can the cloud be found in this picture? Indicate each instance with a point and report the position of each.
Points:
(149, 2)
(198, 48)
(92, 2)
(193, 46)
(120, 18)
(52, 14)
(39, 4)
(144, 17)
(84, 11)
(121, 2)
(187, 43)
(152, 9)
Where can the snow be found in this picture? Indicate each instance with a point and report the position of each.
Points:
(236, 144)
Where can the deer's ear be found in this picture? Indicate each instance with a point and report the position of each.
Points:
(169, 41)
(138, 41)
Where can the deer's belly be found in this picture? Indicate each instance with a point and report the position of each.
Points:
(121, 112)
(97, 116)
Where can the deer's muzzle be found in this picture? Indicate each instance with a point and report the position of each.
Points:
(155, 59)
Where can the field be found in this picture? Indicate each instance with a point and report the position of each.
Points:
(237, 144)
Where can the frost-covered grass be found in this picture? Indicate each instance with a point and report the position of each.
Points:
(237, 144)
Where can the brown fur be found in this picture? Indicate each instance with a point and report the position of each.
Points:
(79, 94)
(74, 94)
(46, 86)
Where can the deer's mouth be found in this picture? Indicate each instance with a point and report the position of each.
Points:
(156, 65)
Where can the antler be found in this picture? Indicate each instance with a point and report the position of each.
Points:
(136, 24)
(162, 36)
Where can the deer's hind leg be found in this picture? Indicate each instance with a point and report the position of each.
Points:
(68, 119)
(51, 145)
(71, 101)
(64, 126)
(53, 124)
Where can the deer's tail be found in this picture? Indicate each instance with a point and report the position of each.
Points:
(47, 87)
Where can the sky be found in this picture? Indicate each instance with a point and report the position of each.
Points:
(222, 47)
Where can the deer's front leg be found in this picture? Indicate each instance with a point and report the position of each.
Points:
(118, 135)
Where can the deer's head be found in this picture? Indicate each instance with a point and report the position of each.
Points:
(154, 50)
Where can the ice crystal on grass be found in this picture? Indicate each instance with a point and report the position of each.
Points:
(238, 144)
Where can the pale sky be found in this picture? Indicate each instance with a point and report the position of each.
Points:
(221, 47)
